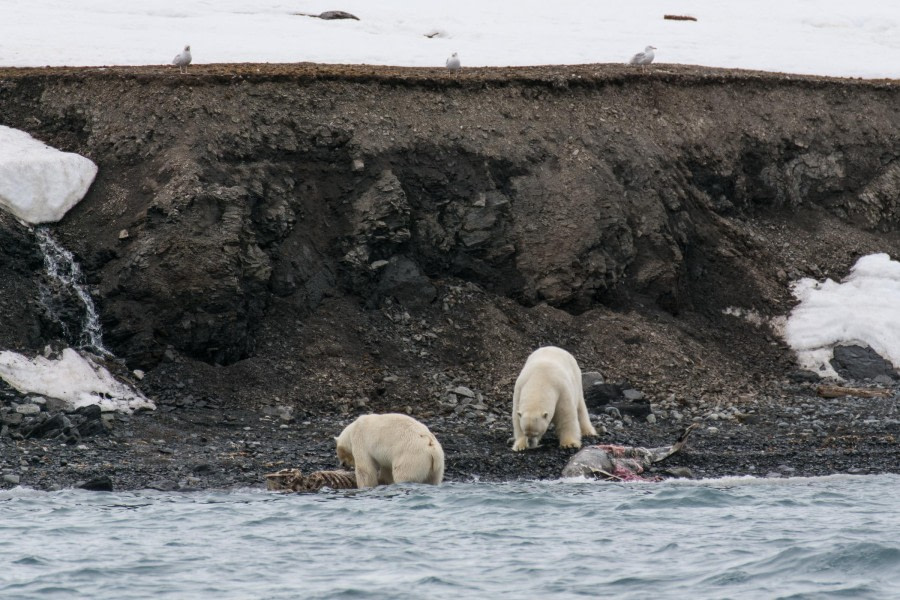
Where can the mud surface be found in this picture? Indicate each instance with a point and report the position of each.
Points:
(283, 247)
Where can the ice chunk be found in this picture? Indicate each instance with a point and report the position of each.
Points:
(39, 184)
(72, 378)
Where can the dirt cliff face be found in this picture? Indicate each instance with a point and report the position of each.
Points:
(301, 232)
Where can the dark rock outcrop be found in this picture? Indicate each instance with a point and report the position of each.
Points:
(862, 363)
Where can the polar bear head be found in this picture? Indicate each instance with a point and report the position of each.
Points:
(344, 449)
(534, 424)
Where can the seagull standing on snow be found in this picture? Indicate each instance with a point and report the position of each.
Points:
(183, 59)
(453, 62)
(643, 58)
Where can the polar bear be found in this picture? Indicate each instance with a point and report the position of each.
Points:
(549, 390)
(390, 448)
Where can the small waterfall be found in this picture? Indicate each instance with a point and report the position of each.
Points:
(66, 274)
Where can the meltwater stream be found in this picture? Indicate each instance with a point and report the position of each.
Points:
(836, 536)
(65, 272)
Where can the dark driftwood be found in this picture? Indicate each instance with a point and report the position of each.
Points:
(679, 18)
(329, 15)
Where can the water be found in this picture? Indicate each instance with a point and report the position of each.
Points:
(65, 273)
(831, 537)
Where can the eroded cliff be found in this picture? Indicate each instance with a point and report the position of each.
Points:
(574, 186)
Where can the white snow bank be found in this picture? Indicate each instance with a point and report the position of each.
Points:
(71, 378)
(39, 184)
(863, 309)
(824, 37)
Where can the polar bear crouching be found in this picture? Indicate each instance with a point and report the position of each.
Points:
(390, 448)
(548, 390)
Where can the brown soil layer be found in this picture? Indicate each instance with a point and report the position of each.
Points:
(322, 241)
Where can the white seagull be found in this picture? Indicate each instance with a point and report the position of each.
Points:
(453, 62)
(643, 58)
(183, 59)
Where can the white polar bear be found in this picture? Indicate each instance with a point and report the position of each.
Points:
(390, 448)
(549, 390)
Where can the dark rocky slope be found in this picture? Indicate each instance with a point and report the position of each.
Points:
(335, 240)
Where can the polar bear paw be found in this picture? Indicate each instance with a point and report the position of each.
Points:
(570, 443)
(520, 444)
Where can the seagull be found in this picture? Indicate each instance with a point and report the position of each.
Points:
(453, 62)
(643, 58)
(183, 59)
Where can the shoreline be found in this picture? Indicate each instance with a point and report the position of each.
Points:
(188, 448)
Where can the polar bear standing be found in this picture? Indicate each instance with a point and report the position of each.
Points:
(549, 390)
(390, 448)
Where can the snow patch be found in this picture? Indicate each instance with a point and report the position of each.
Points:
(864, 309)
(39, 184)
(73, 378)
(822, 37)
(756, 318)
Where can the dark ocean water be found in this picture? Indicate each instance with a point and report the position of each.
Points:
(832, 537)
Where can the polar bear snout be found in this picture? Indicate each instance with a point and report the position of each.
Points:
(534, 426)
(345, 457)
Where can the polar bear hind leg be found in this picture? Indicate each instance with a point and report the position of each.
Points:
(565, 421)
(584, 420)
(421, 467)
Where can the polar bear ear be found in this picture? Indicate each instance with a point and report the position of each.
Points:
(519, 413)
(546, 415)
(335, 440)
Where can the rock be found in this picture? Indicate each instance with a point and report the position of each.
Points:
(55, 405)
(633, 395)
(28, 409)
(651, 418)
(163, 485)
(12, 419)
(90, 412)
(598, 395)
(680, 472)
(622, 397)
(286, 413)
(11, 479)
(52, 427)
(98, 484)
(590, 378)
(861, 363)
(403, 281)
(463, 391)
(804, 376)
